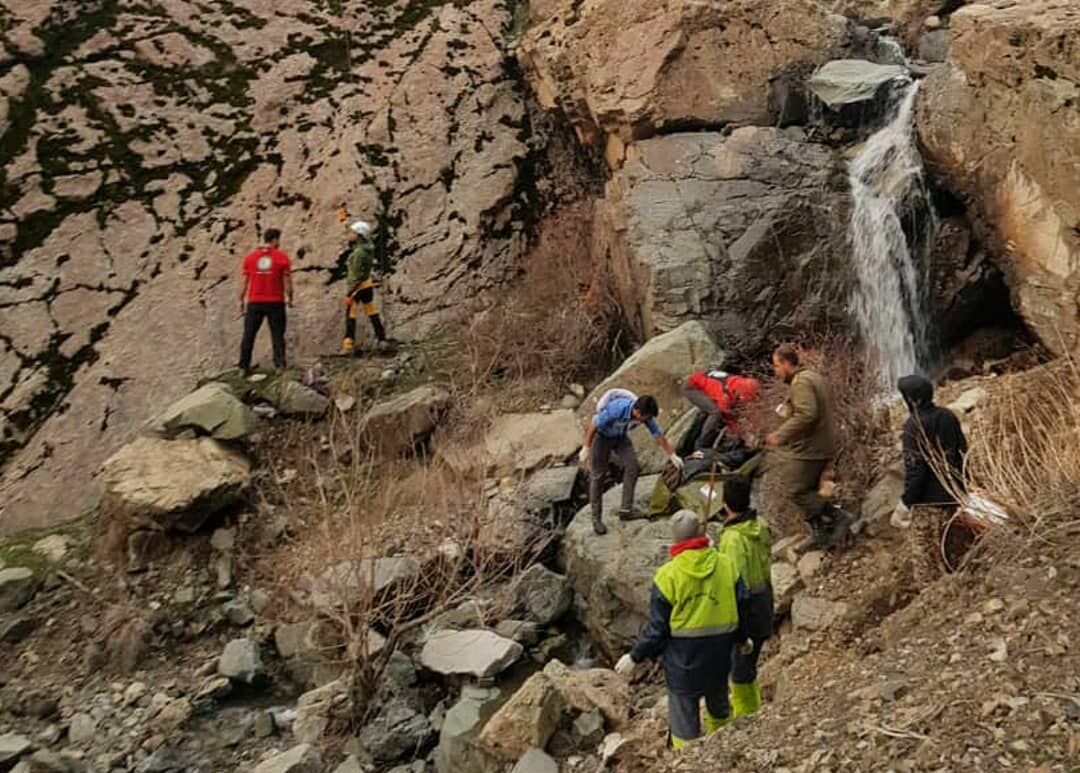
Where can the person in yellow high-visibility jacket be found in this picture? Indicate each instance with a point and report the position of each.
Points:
(693, 626)
(746, 540)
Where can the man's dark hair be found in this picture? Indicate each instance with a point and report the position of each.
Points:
(272, 235)
(737, 494)
(646, 405)
(787, 353)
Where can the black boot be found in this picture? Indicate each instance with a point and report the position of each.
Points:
(840, 527)
(598, 526)
(819, 536)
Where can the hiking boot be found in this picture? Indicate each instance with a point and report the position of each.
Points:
(631, 515)
(840, 530)
(347, 346)
(598, 526)
(819, 537)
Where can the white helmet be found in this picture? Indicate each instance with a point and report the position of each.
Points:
(361, 227)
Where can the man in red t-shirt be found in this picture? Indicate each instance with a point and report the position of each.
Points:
(265, 289)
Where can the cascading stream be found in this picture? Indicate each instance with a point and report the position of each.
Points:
(889, 301)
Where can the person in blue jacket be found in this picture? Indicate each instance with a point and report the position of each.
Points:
(617, 412)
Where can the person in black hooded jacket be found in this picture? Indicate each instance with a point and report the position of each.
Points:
(932, 436)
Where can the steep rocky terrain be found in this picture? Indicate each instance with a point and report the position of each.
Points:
(145, 145)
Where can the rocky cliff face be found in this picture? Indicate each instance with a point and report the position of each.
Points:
(145, 144)
(1000, 124)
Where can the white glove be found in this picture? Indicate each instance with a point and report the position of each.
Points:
(901, 517)
(625, 666)
(583, 457)
(677, 460)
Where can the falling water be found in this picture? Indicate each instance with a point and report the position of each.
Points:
(887, 186)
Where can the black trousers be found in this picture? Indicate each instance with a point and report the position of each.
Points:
(274, 314)
(365, 297)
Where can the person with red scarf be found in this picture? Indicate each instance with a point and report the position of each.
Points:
(694, 624)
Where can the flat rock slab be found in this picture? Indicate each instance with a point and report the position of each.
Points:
(13, 746)
(520, 442)
(477, 653)
(550, 486)
(536, 761)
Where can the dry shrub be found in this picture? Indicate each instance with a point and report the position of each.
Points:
(555, 326)
(1024, 448)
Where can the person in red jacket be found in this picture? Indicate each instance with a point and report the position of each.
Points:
(721, 396)
(265, 289)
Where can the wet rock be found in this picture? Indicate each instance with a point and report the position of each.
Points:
(397, 731)
(814, 614)
(398, 425)
(536, 761)
(527, 720)
(458, 750)
(851, 81)
(656, 369)
(546, 595)
(211, 410)
(520, 442)
(172, 484)
(478, 653)
(241, 662)
(299, 759)
(17, 586)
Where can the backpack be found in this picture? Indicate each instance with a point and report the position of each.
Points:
(611, 394)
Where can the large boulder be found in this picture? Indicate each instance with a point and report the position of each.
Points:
(476, 653)
(985, 121)
(656, 369)
(612, 574)
(527, 720)
(521, 442)
(172, 484)
(593, 689)
(631, 69)
(212, 410)
(397, 425)
(746, 229)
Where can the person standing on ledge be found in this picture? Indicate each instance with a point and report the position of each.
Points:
(617, 412)
(265, 290)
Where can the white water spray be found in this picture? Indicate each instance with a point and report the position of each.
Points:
(887, 181)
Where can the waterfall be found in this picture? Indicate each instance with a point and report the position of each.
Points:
(888, 188)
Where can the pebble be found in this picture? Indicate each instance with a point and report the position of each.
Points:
(134, 692)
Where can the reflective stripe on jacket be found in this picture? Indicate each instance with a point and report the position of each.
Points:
(693, 618)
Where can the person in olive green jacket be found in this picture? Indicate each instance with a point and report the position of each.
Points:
(747, 541)
(359, 258)
(806, 445)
